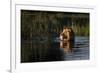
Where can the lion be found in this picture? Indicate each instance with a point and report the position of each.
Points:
(67, 38)
(67, 34)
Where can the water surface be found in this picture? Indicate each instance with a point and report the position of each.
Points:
(54, 50)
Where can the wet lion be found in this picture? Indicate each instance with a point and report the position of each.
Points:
(67, 35)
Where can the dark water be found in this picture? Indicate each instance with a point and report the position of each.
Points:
(54, 50)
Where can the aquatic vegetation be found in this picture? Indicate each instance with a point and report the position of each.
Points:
(45, 23)
(40, 31)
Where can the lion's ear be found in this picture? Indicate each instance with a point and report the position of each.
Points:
(69, 30)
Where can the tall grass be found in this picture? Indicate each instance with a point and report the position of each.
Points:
(42, 23)
(81, 30)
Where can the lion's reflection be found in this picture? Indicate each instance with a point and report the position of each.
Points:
(66, 46)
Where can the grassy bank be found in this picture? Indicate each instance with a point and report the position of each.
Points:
(42, 23)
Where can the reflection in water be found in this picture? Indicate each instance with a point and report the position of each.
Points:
(41, 51)
(66, 46)
(54, 50)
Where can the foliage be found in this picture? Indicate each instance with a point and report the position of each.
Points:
(46, 23)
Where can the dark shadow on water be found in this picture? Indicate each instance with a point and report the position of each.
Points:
(76, 50)
(41, 52)
(49, 50)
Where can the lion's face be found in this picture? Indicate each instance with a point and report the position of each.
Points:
(67, 33)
